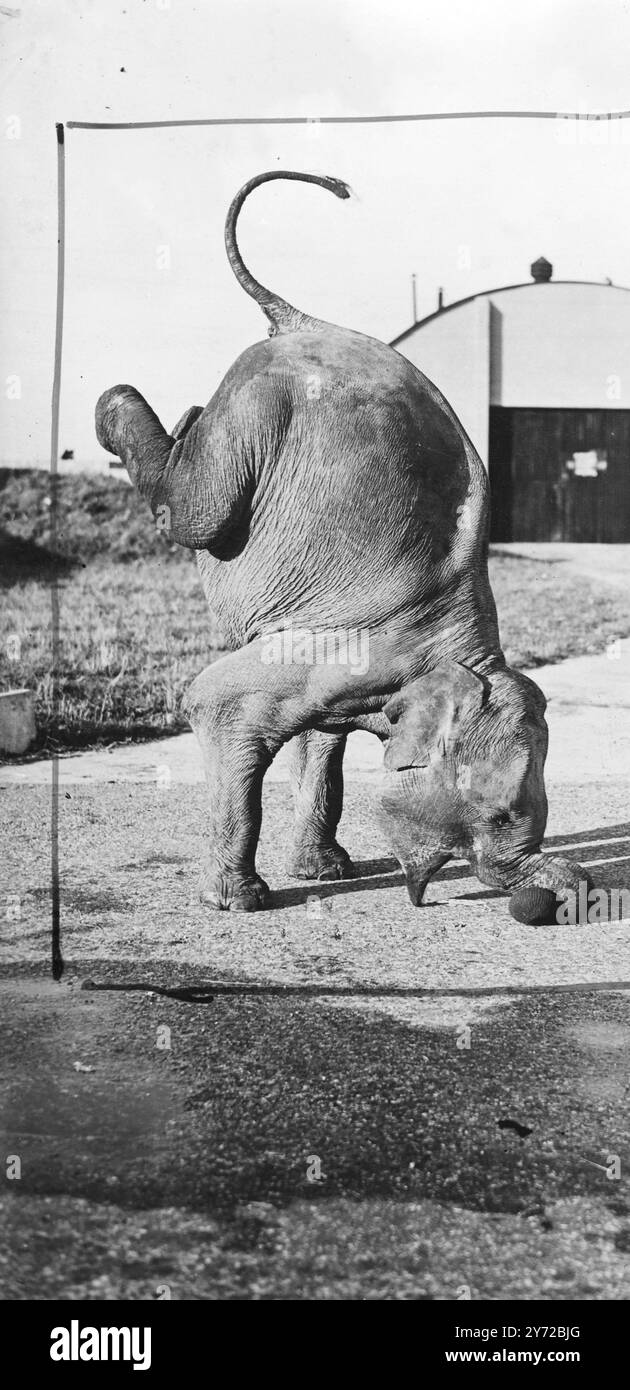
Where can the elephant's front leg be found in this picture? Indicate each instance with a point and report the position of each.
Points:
(242, 712)
(316, 766)
(234, 771)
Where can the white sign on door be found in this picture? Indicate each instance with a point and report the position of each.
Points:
(588, 464)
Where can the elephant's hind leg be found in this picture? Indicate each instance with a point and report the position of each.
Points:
(186, 421)
(316, 766)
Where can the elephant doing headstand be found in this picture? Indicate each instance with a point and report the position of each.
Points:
(329, 489)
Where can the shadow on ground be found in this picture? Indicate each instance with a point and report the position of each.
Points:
(249, 1088)
(23, 559)
(310, 1149)
(369, 875)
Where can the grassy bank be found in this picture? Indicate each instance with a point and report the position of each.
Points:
(134, 626)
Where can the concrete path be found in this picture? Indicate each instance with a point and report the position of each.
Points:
(589, 736)
(606, 564)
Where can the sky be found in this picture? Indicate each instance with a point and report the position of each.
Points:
(150, 298)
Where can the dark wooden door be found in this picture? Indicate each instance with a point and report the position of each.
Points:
(560, 475)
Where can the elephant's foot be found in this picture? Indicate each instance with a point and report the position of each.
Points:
(320, 861)
(234, 892)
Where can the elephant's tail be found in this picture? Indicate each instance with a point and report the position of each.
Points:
(283, 318)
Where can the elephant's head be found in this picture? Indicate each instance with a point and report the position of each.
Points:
(464, 779)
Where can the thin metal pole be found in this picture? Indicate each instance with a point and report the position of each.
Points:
(57, 958)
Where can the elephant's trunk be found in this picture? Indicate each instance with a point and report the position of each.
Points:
(555, 872)
(558, 874)
(127, 427)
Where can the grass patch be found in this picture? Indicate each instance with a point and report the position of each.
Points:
(132, 637)
(96, 516)
(547, 614)
(135, 627)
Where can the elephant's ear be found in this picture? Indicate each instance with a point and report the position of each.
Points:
(425, 714)
(536, 697)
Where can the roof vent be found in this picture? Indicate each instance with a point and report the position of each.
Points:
(541, 271)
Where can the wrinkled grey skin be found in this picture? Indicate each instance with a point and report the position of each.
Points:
(329, 484)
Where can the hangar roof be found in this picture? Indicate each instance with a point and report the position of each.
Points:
(540, 286)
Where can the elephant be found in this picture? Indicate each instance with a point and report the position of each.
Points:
(329, 490)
